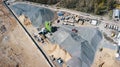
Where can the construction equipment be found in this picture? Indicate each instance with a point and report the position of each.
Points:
(48, 26)
(113, 34)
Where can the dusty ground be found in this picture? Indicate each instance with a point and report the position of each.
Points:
(106, 58)
(16, 48)
(49, 48)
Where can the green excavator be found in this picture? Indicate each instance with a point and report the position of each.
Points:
(48, 26)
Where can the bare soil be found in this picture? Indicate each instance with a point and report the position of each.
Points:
(106, 58)
(16, 48)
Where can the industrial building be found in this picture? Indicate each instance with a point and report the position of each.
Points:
(116, 14)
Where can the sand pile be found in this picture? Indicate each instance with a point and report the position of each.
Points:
(57, 52)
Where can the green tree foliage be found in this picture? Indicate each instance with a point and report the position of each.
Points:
(90, 6)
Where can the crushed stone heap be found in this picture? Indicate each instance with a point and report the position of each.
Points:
(82, 45)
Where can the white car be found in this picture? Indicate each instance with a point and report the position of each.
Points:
(64, 23)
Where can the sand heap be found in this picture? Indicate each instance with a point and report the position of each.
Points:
(57, 52)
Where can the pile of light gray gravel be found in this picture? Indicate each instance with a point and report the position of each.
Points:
(37, 15)
(82, 45)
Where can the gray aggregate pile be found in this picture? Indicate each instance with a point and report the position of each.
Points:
(82, 45)
(37, 15)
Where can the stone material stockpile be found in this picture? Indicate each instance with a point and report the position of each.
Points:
(37, 15)
(82, 45)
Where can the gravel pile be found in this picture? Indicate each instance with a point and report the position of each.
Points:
(37, 15)
(81, 45)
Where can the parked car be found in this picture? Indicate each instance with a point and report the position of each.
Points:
(64, 23)
(74, 30)
(106, 25)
